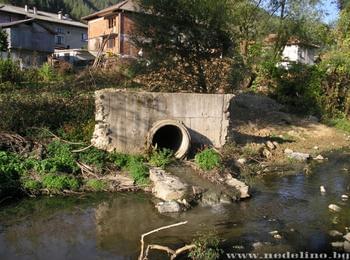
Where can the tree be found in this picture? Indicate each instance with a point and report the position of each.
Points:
(3, 41)
(190, 32)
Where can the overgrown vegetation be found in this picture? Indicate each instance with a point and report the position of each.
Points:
(161, 158)
(207, 247)
(208, 159)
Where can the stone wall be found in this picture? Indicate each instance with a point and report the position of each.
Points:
(124, 118)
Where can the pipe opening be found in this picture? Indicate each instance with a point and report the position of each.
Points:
(169, 137)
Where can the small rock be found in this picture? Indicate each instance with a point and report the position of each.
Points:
(335, 233)
(313, 119)
(210, 198)
(276, 144)
(347, 237)
(168, 207)
(278, 236)
(225, 199)
(316, 148)
(334, 207)
(344, 197)
(319, 158)
(299, 156)
(323, 189)
(270, 145)
(275, 232)
(347, 247)
(266, 153)
(338, 244)
(242, 161)
(288, 151)
(238, 185)
(257, 245)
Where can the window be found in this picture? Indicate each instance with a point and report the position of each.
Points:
(59, 39)
(111, 43)
(84, 37)
(111, 22)
(59, 30)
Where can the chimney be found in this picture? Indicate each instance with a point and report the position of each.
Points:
(26, 8)
(35, 10)
(60, 15)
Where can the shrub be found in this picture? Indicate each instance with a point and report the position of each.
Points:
(55, 182)
(10, 71)
(161, 158)
(94, 157)
(96, 185)
(32, 186)
(207, 247)
(47, 73)
(119, 159)
(60, 159)
(138, 170)
(10, 169)
(208, 159)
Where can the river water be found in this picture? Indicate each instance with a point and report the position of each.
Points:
(108, 226)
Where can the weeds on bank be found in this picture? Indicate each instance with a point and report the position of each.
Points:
(161, 158)
(206, 246)
(208, 159)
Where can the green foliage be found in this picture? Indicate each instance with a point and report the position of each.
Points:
(119, 159)
(10, 170)
(207, 247)
(94, 157)
(60, 159)
(208, 159)
(138, 170)
(161, 158)
(47, 73)
(9, 71)
(3, 41)
(31, 186)
(96, 185)
(58, 183)
(341, 123)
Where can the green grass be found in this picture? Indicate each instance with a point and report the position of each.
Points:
(340, 123)
(96, 185)
(54, 182)
(161, 158)
(138, 171)
(208, 159)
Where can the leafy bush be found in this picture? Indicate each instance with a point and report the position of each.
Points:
(94, 157)
(10, 170)
(55, 182)
(208, 159)
(47, 73)
(138, 170)
(32, 186)
(341, 123)
(60, 159)
(9, 71)
(207, 247)
(161, 158)
(96, 185)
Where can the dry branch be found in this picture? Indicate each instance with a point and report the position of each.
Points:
(141, 257)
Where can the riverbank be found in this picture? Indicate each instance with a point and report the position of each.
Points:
(266, 139)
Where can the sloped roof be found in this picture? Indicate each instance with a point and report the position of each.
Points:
(43, 16)
(25, 21)
(127, 5)
(272, 38)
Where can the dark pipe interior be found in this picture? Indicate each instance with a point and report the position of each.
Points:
(169, 137)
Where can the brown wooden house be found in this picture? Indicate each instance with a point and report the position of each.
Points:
(109, 30)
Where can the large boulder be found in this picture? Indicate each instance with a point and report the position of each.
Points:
(166, 186)
(168, 207)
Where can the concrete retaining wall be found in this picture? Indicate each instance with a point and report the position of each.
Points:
(124, 118)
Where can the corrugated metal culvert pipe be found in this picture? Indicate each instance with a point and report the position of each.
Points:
(170, 134)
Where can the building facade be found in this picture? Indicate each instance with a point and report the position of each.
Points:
(69, 34)
(109, 30)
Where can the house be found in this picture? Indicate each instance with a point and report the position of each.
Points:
(70, 34)
(295, 51)
(109, 30)
(299, 52)
(29, 41)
